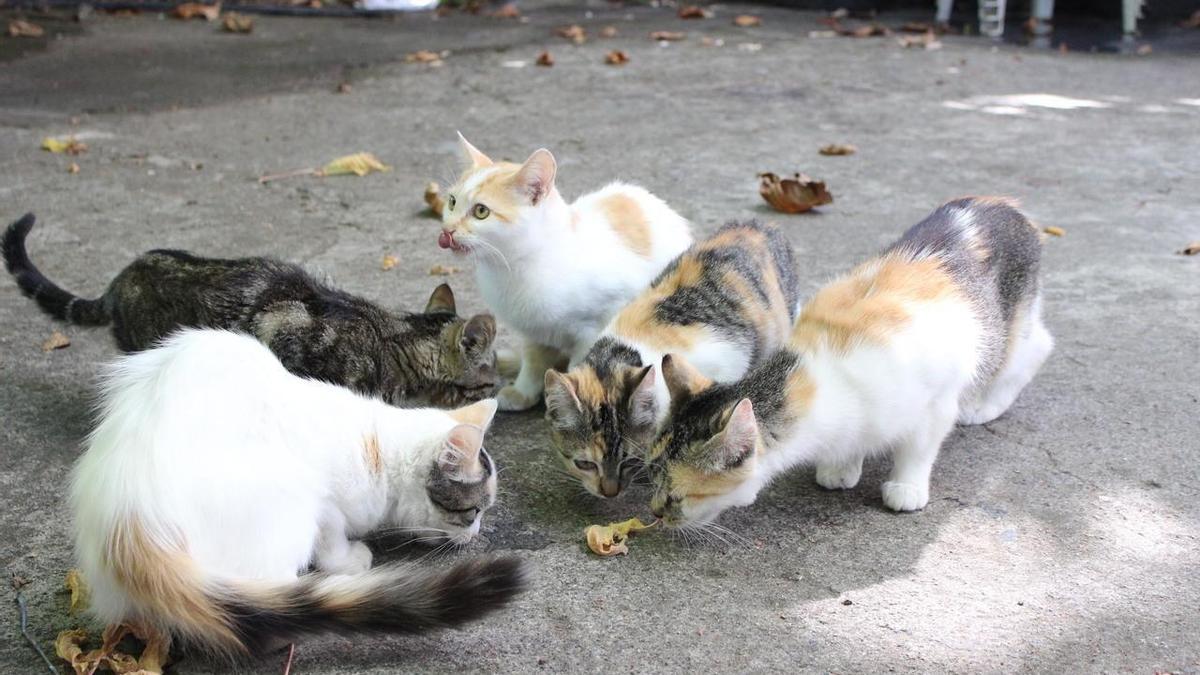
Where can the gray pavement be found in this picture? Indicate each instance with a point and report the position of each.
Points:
(1062, 537)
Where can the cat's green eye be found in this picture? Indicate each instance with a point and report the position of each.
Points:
(480, 211)
(450, 202)
(584, 465)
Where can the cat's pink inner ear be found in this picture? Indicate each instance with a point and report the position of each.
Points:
(535, 179)
(474, 157)
(478, 414)
(643, 403)
(682, 378)
(460, 456)
(741, 433)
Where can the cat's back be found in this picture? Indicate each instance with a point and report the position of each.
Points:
(641, 222)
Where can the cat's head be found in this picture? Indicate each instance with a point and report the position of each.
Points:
(461, 483)
(601, 424)
(462, 361)
(491, 201)
(705, 460)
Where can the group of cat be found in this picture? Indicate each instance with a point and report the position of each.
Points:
(251, 432)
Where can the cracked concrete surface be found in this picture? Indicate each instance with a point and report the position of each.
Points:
(1064, 536)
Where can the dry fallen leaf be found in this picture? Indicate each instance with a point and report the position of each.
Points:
(193, 10)
(694, 12)
(443, 271)
(56, 341)
(746, 20)
(507, 11)
(616, 58)
(359, 164)
(837, 149)
(19, 28)
(667, 35)
(72, 168)
(1192, 21)
(916, 27)
(1191, 249)
(69, 647)
(610, 540)
(574, 33)
(861, 30)
(1054, 231)
(544, 59)
(707, 41)
(927, 40)
(608, 32)
(432, 59)
(343, 88)
(58, 146)
(389, 262)
(433, 198)
(78, 589)
(233, 22)
(793, 195)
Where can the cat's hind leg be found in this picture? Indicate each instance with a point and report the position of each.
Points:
(526, 390)
(336, 554)
(839, 475)
(907, 488)
(1032, 344)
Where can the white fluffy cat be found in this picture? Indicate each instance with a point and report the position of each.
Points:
(553, 271)
(215, 478)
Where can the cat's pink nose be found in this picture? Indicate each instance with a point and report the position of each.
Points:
(446, 239)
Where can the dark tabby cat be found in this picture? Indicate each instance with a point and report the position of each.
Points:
(726, 303)
(316, 331)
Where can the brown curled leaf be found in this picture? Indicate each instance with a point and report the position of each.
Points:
(797, 194)
(433, 198)
(59, 146)
(56, 341)
(78, 590)
(616, 58)
(197, 10)
(545, 59)
(608, 32)
(1054, 231)
(359, 164)
(1191, 249)
(694, 12)
(574, 33)
(667, 35)
(19, 28)
(746, 20)
(837, 149)
(232, 22)
(443, 271)
(389, 262)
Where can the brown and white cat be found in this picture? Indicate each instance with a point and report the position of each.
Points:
(555, 272)
(944, 325)
(725, 303)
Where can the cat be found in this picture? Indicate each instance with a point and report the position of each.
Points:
(214, 478)
(554, 272)
(944, 325)
(315, 330)
(725, 303)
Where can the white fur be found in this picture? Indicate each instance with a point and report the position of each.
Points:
(209, 441)
(560, 272)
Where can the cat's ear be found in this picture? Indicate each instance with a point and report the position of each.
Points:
(477, 335)
(682, 379)
(478, 414)
(535, 179)
(739, 439)
(643, 402)
(475, 158)
(459, 457)
(563, 408)
(441, 301)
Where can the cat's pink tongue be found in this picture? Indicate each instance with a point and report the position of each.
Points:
(446, 240)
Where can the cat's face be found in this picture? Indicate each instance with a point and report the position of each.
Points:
(461, 484)
(704, 461)
(462, 367)
(491, 201)
(600, 426)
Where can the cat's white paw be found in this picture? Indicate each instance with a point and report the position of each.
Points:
(839, 476)
(981, 414)
(512, 399)
(355, 560)
(899, 496)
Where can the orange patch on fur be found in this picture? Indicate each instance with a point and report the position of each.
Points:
(166, 586)
(372, 454)
(628, 221)
(696, 484)
(871, 303)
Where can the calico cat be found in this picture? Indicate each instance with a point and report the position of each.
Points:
(214, 479)
(555, 272)
(315, 330)
(945, 325)
(725, 303)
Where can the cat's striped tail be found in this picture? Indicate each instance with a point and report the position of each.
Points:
(53, 300)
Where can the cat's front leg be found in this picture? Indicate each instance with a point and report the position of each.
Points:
(839, 475)
(337, 554)
(526, 390)
(907, 488)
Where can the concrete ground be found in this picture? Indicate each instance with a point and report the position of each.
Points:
(1062, 537)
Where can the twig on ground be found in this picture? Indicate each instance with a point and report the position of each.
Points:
(24, 612)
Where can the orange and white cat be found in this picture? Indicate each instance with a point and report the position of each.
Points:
(555, 272)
